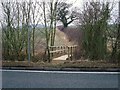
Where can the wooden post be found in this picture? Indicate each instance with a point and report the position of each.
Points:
(54, 48)
(50, 52)
(61, 50)
(68, 53)
(64, 49)
(71, 53)
(58, 49)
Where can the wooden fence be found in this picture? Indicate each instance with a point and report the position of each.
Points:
(62, 50)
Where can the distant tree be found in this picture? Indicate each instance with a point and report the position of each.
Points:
(119, 35)
(94, 25)
(15, 23)
(64, 14)
(115, 38)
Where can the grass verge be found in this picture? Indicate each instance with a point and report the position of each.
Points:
(68, 64)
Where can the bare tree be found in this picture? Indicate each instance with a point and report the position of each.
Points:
(36, 15)
(64, 14)
(115, 38)
(15, 36)
(94, 25)
(50, 25)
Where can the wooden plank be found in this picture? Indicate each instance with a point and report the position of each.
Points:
(71, 52)
(57, 51)
(68, 53)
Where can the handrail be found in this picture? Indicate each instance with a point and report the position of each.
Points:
(55, 51)
(63, 49)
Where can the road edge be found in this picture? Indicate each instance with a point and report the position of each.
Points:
(64, 69)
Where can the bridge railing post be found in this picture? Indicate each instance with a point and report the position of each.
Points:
(68, 52)
(61, 50)
(71, 53)
(64, 49)
(75, 48)
(50, 53)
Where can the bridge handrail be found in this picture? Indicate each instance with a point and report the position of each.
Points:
(55, 51)
(62, 49)
(62, 46)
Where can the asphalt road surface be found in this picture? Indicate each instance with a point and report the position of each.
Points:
(58, 79)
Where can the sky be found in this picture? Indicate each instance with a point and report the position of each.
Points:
(114, 13)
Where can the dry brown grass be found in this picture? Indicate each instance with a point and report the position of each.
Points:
(91, 64)
(67, 64)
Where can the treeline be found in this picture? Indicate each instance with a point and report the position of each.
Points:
(19, 23)
(101, 40)
(15, 25)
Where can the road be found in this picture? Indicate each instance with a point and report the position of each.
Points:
(58, 79)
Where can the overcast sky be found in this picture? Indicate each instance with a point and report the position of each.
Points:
(114, 13)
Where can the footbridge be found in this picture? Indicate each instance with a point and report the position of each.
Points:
(62, 52)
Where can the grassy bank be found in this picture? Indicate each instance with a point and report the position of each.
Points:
(68, 64)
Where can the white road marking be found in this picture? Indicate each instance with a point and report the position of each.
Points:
(62, 72)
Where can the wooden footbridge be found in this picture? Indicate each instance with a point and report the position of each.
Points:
(62, 52)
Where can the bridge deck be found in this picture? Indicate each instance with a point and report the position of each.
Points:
(64, 57)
